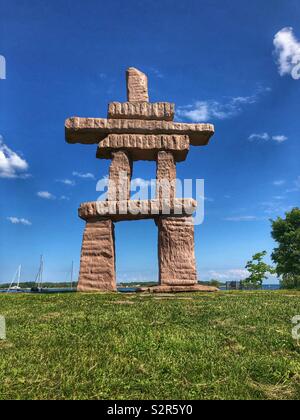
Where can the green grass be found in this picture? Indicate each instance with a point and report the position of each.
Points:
(109, 346)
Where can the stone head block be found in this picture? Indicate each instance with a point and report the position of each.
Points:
(137, 86)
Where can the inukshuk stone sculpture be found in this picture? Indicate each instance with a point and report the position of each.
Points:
(139, 130)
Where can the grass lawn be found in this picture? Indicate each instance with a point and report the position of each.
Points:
(113, 346)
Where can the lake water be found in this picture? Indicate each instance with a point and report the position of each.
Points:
(121, 289)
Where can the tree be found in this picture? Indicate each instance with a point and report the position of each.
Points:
(215, 283)
(286, 232)
(258, 270)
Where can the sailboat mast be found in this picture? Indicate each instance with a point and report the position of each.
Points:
(19, 275)
(72, 274)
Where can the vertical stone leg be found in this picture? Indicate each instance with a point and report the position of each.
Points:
(176, 242)
(120, 174)
(97, 264)
(166, 177)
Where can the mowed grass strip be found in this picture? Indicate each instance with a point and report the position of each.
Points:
(113, 346)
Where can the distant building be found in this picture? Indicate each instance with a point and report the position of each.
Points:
(234, 285)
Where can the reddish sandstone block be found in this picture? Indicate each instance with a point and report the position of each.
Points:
(97, 264)
(137, 86)
(177, 263)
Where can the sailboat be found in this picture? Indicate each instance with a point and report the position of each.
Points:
(72, 274)
(16, 279)
(39, 277)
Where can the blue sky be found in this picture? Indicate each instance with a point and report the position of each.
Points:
(215, 59)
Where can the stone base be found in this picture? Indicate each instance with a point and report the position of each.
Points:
(97, 265)
(176, 243)
(178, 289)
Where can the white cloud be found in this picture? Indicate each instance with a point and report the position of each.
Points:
(280, 139)
(209, 110)
(233, 274)
(287, 50)
(279, 182)
(46, 195)
(142, 183)
(87, 175)
(267, 137)
(11, 164)
(64, 198)
(68, 182)
(262, 136)
(17, 221)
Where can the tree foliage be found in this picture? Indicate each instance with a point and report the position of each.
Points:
(286, 232)
(258, 270)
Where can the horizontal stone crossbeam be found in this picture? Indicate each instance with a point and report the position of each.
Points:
(136, 209)
(144, 147)
(93, 130)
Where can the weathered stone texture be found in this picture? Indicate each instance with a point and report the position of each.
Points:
(137, 86)
(136, 209)
(177, 264)
(120, 175)
(93, 130)
(97, 265)
(144, 147)
(166, 176)
(179, 289)
(142, 110)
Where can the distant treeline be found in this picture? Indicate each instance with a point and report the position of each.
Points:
(66, 285)
(29, 285)
(214, 283)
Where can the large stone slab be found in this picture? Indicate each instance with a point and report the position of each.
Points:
(144, 147)
(142, 110)
(97, 264)
(176, 243)
(93, 130)
(165, 176)
(178, 289)
(137, 85)
(120, 174)
(137, 210)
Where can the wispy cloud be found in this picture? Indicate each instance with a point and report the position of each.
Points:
(242, 219)
(81, 175)
(232, 274)
(18, 221)
(157, 73)
(68, 182)
(210, 110)
(46, 195)
(142, 183)
(274, 208)
(287, 50)
(12, 165)
(296, 186)
(279, 182)
(267, 137)
(280, 138)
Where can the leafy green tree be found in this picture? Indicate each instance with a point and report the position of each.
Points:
(215, 283)
(286, 232)
(258, 270)
(290, 281)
